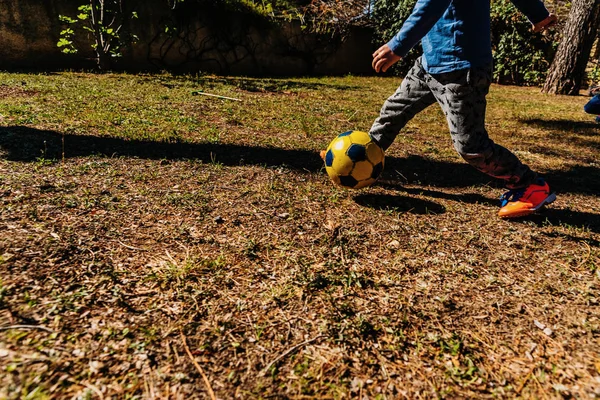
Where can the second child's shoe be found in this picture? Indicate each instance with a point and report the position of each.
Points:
(525, 201)
(597, 119)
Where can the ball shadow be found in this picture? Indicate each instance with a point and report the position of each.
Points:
(396, 203)
(471, 198)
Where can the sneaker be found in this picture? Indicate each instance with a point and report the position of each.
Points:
(597, 119)
(525, 201)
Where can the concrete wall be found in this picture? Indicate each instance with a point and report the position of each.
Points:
(29, 31)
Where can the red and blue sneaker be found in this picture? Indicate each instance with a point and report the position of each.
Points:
(525, 201)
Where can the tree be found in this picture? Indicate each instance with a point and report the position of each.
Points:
(567, 71)
(104, 20)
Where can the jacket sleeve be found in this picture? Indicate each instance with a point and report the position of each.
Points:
(425, 14)
(534, 10)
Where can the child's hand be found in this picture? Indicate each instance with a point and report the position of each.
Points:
(545, 24)
(384, 58)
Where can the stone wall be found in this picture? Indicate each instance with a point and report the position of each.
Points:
(29, 31)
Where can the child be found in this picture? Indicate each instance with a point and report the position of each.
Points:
(456, 71)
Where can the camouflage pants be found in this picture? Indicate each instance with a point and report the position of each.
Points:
(461, 95)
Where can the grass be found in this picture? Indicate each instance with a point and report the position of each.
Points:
(137, 219)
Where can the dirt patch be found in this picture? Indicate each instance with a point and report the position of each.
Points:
(16, 91)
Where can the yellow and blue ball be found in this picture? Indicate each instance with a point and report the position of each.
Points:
(354, 160)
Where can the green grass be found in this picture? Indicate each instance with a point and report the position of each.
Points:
(134, 213)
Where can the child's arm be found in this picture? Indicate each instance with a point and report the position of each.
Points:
(425, 14)
(536, 13)
(546, 23)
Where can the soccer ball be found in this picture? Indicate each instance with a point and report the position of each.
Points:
(353, 160)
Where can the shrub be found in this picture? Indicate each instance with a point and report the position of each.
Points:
(388, 17)
(521, 57)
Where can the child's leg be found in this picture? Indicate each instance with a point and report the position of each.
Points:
(461, 94)
(410, 98)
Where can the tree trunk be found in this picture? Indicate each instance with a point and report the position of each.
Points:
(568, 68)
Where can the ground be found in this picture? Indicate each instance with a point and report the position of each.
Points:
(157, 243)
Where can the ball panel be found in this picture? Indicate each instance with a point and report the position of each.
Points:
(374, 153)
(348, 181)
(340, 144)
(357, 152)
(347, 133)
(360, 137)
(377, 169)
(329, 158)
(341, 164)
(362, 170)
(365, 183)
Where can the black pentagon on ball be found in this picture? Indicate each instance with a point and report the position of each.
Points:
(348, 181)
(329, 158)
(377, 169)
(357, 152)
(345, 134)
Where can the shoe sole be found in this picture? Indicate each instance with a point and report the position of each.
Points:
(529, 211)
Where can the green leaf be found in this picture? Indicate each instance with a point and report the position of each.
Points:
(66, 19)
(64, 42)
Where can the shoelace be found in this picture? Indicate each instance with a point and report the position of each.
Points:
(511, 195)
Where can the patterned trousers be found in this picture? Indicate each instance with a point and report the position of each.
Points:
(461, 95)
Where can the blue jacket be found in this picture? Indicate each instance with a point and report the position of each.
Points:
(455, 33)
(593, 106)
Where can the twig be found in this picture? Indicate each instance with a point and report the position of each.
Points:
(587, 257)
(130, 247)
(89, 386)
(522, 385)
(540, 386)
(4, 328)
(285, 353)
(352, 116)
(213, 95)
(93, 389)
(198, 367)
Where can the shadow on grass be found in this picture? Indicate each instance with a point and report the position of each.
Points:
(566, 125)
(398, 203)
(28, 144)
(566, 218)
(262, 85)
(270, 85)
(471, 198)
(18, 143)
(419, 170)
